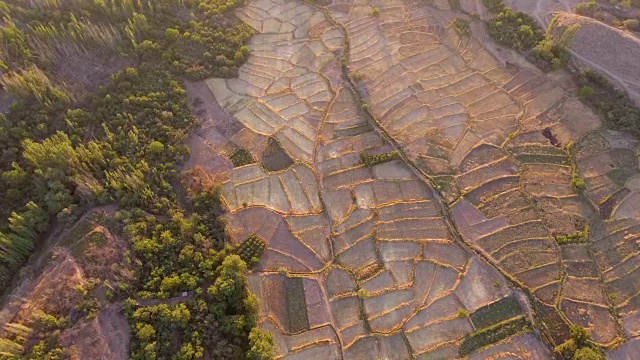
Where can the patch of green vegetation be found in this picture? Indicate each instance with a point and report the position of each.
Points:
(261, 345)
(579, 346)
(631, 24)
(614, 106)
(577, 183)
(578, 237)
(522, 33)
(372, 160)
(516, 30)
(357, 76)
(251, 249)
(493, 334)
(552, 49)
(586, 8)
(543, 159)
(241, 157)
(296, 305)
(461, 26)
(462, 313)
(375, 12)
(363, 294)
(585, 91)
(497, 312)
(495, 6)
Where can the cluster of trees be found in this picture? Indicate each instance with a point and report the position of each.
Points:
(63, 152)
(522, 33)
(516, 30)
(177, 256)
(618, 111)
(579, 346)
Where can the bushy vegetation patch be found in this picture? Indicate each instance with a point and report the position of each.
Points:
(495, 6)
(241, 157)
(618, 111)
(493, 334)
(579, 346)
(516, 30)
(578, 237)
(251, 249)
(522, 33)
(577, 183)
(371, 160)
(461, 26)
(64, 151)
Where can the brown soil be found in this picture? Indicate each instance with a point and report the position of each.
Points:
(105, 337)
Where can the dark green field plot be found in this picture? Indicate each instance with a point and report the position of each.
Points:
(371, 160)
(251, 249)
(274, 158)
(497, 312)
(241, 157)
(494, 334)
(296, 305)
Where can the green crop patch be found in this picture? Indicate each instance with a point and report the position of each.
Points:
(543, 159)
(372, 160)
(251, 249)
(296, 305)
(241, 157)
(497, 312)
(578, 237)
(494, 334)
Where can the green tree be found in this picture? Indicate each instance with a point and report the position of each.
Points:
(261, 345)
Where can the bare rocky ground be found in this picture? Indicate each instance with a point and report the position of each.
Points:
(365, 260)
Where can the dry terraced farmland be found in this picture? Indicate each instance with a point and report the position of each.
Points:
(408, 216)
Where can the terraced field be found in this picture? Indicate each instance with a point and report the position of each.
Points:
(408, 234)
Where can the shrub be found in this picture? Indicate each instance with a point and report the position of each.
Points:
(462, 313)
(357, 76)
(516, 30)
(494, 6)
(579, 346)
(585, 91)
(631, 24)
(578, 237)
(261, 345)
(461, 26)
(586, 8)
(371, 160)
(375, 12)
(577, 183)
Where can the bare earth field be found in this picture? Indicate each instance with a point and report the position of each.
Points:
(420, 253)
